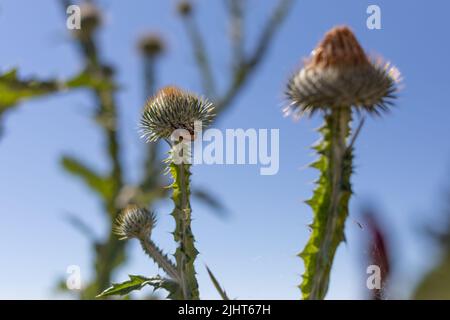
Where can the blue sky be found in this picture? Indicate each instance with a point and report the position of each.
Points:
(401, 162)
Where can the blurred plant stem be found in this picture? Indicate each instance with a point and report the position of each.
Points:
(110, 252)
(151, 176)
(243, 65)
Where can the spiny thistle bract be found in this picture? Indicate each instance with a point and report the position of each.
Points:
(172, 108)
(337, 79)
(134, 222)
(340, 74)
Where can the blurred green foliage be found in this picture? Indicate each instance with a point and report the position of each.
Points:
(14, 89)
(99, 79)
(436, 283)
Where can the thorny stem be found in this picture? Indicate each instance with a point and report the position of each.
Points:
(186, 252)
(184, 216)
(339, 129)
(160, 258)
(330, 203)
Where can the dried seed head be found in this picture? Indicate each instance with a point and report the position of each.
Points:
(134, 222)
(91, 19)
(340, 74)
(184, 7)
(172, 108)
(151, 45)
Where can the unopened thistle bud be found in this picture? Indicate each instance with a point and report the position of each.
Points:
(171, 109)
(151, 45)
(184, 7)
(91, 19)
(340, 74)
(134, 222)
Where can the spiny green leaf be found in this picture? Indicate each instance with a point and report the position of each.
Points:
(93, 180)
(136, 282)
(86, 79)
(14, 90)
(216, 283)
(173, 288)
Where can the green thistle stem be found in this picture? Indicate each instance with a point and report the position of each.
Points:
(161, 259)
(186, 252)
(329, 203)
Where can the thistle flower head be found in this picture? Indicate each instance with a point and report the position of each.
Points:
(172, 108)
(340, 74)
(134, 222)
(184, 7)
(151, 45)
(91, 19)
